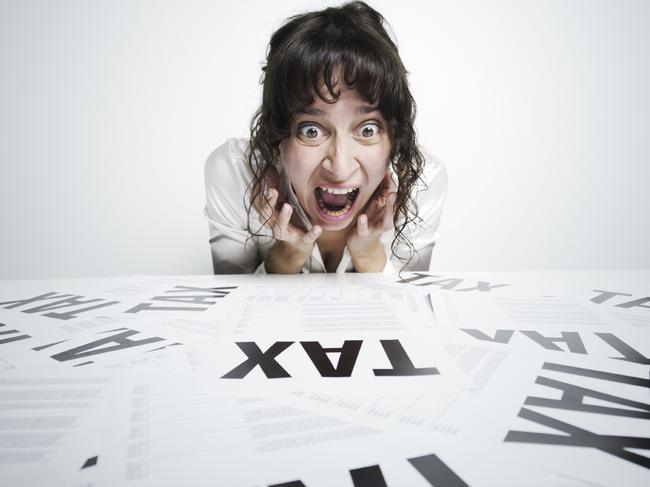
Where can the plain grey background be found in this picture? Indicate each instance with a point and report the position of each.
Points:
(108, 109)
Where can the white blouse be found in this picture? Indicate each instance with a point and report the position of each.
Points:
(235, 251)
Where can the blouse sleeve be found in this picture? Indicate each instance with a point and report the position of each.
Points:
(226, 182)
(430, 200)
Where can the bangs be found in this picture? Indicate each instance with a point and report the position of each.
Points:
(317, 65)
(323, 72)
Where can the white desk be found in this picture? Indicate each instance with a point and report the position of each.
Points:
(452, 378)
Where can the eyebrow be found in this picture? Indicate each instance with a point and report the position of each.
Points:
(367, 109)
(317, 112)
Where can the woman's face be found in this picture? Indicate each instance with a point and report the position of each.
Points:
(336, 156)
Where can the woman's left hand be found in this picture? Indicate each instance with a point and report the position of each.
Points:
(366, 250)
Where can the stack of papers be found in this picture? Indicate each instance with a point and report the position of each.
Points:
(528, 378)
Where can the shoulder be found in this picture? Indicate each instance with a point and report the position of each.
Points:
(227, 163)
(434, 170)
(432, 187)
(227, 178)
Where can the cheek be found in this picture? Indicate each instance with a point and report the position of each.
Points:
(299, 165)
(377, 165)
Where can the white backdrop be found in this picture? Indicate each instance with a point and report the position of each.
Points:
(108, 109)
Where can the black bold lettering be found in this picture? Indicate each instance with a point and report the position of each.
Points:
(482, 286)
(402, 365)
(368, 477)
(266, 361)
(150, 307)
(573, 399)
(347, 358)
(74, 313)
(598, 374)
(120, 340)
(90, 462)
(605, 295)
(48, 345)
(5, 335)
(415, 277)
(629, 354)
(42, 297)
(436, 472)
(571, 338)
(448, 283)
(501, 336)
(640, 303)
(212, 293)
(614, 445)
(431, 467)
(176, 344)
(217, 292)
(67, 303)
(187, 299)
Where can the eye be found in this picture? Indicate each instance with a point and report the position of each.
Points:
(369, 130)
(310, 131)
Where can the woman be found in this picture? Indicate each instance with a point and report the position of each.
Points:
(332, 178)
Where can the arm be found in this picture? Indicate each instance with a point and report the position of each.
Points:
(226, 179)
(294, 246)
(430, 203)
(423, 235)
(366, 249)
(364, 241)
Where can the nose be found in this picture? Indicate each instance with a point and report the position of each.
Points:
(340, 162)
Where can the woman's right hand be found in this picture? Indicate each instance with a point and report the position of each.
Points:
(294, 245)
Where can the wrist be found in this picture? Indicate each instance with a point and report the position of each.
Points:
(285, 259)
(372, 259)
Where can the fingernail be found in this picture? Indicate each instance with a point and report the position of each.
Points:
(391, 198)
(268, 193)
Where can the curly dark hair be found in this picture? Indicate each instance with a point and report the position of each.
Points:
(308, 51)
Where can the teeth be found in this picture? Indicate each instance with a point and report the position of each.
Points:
(337, 191)
(340, 212)
(351, 196)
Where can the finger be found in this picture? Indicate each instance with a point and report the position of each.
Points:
(266, 205)
(362, 225)
(387, 221)
(272, 199)
(261, 202)
(386, 184)
(376, 212)
(257, 204)
(282, 221)
(374, 209)
(312, 235)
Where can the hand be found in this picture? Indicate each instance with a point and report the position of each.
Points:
(294, 245)
(366, 250)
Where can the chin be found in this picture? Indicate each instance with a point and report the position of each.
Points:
(337, 227)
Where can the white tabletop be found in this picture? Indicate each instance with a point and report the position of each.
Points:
(442, 378)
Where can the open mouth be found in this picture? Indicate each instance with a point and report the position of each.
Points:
(335, 203)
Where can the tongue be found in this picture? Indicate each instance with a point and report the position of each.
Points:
(333, 199)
